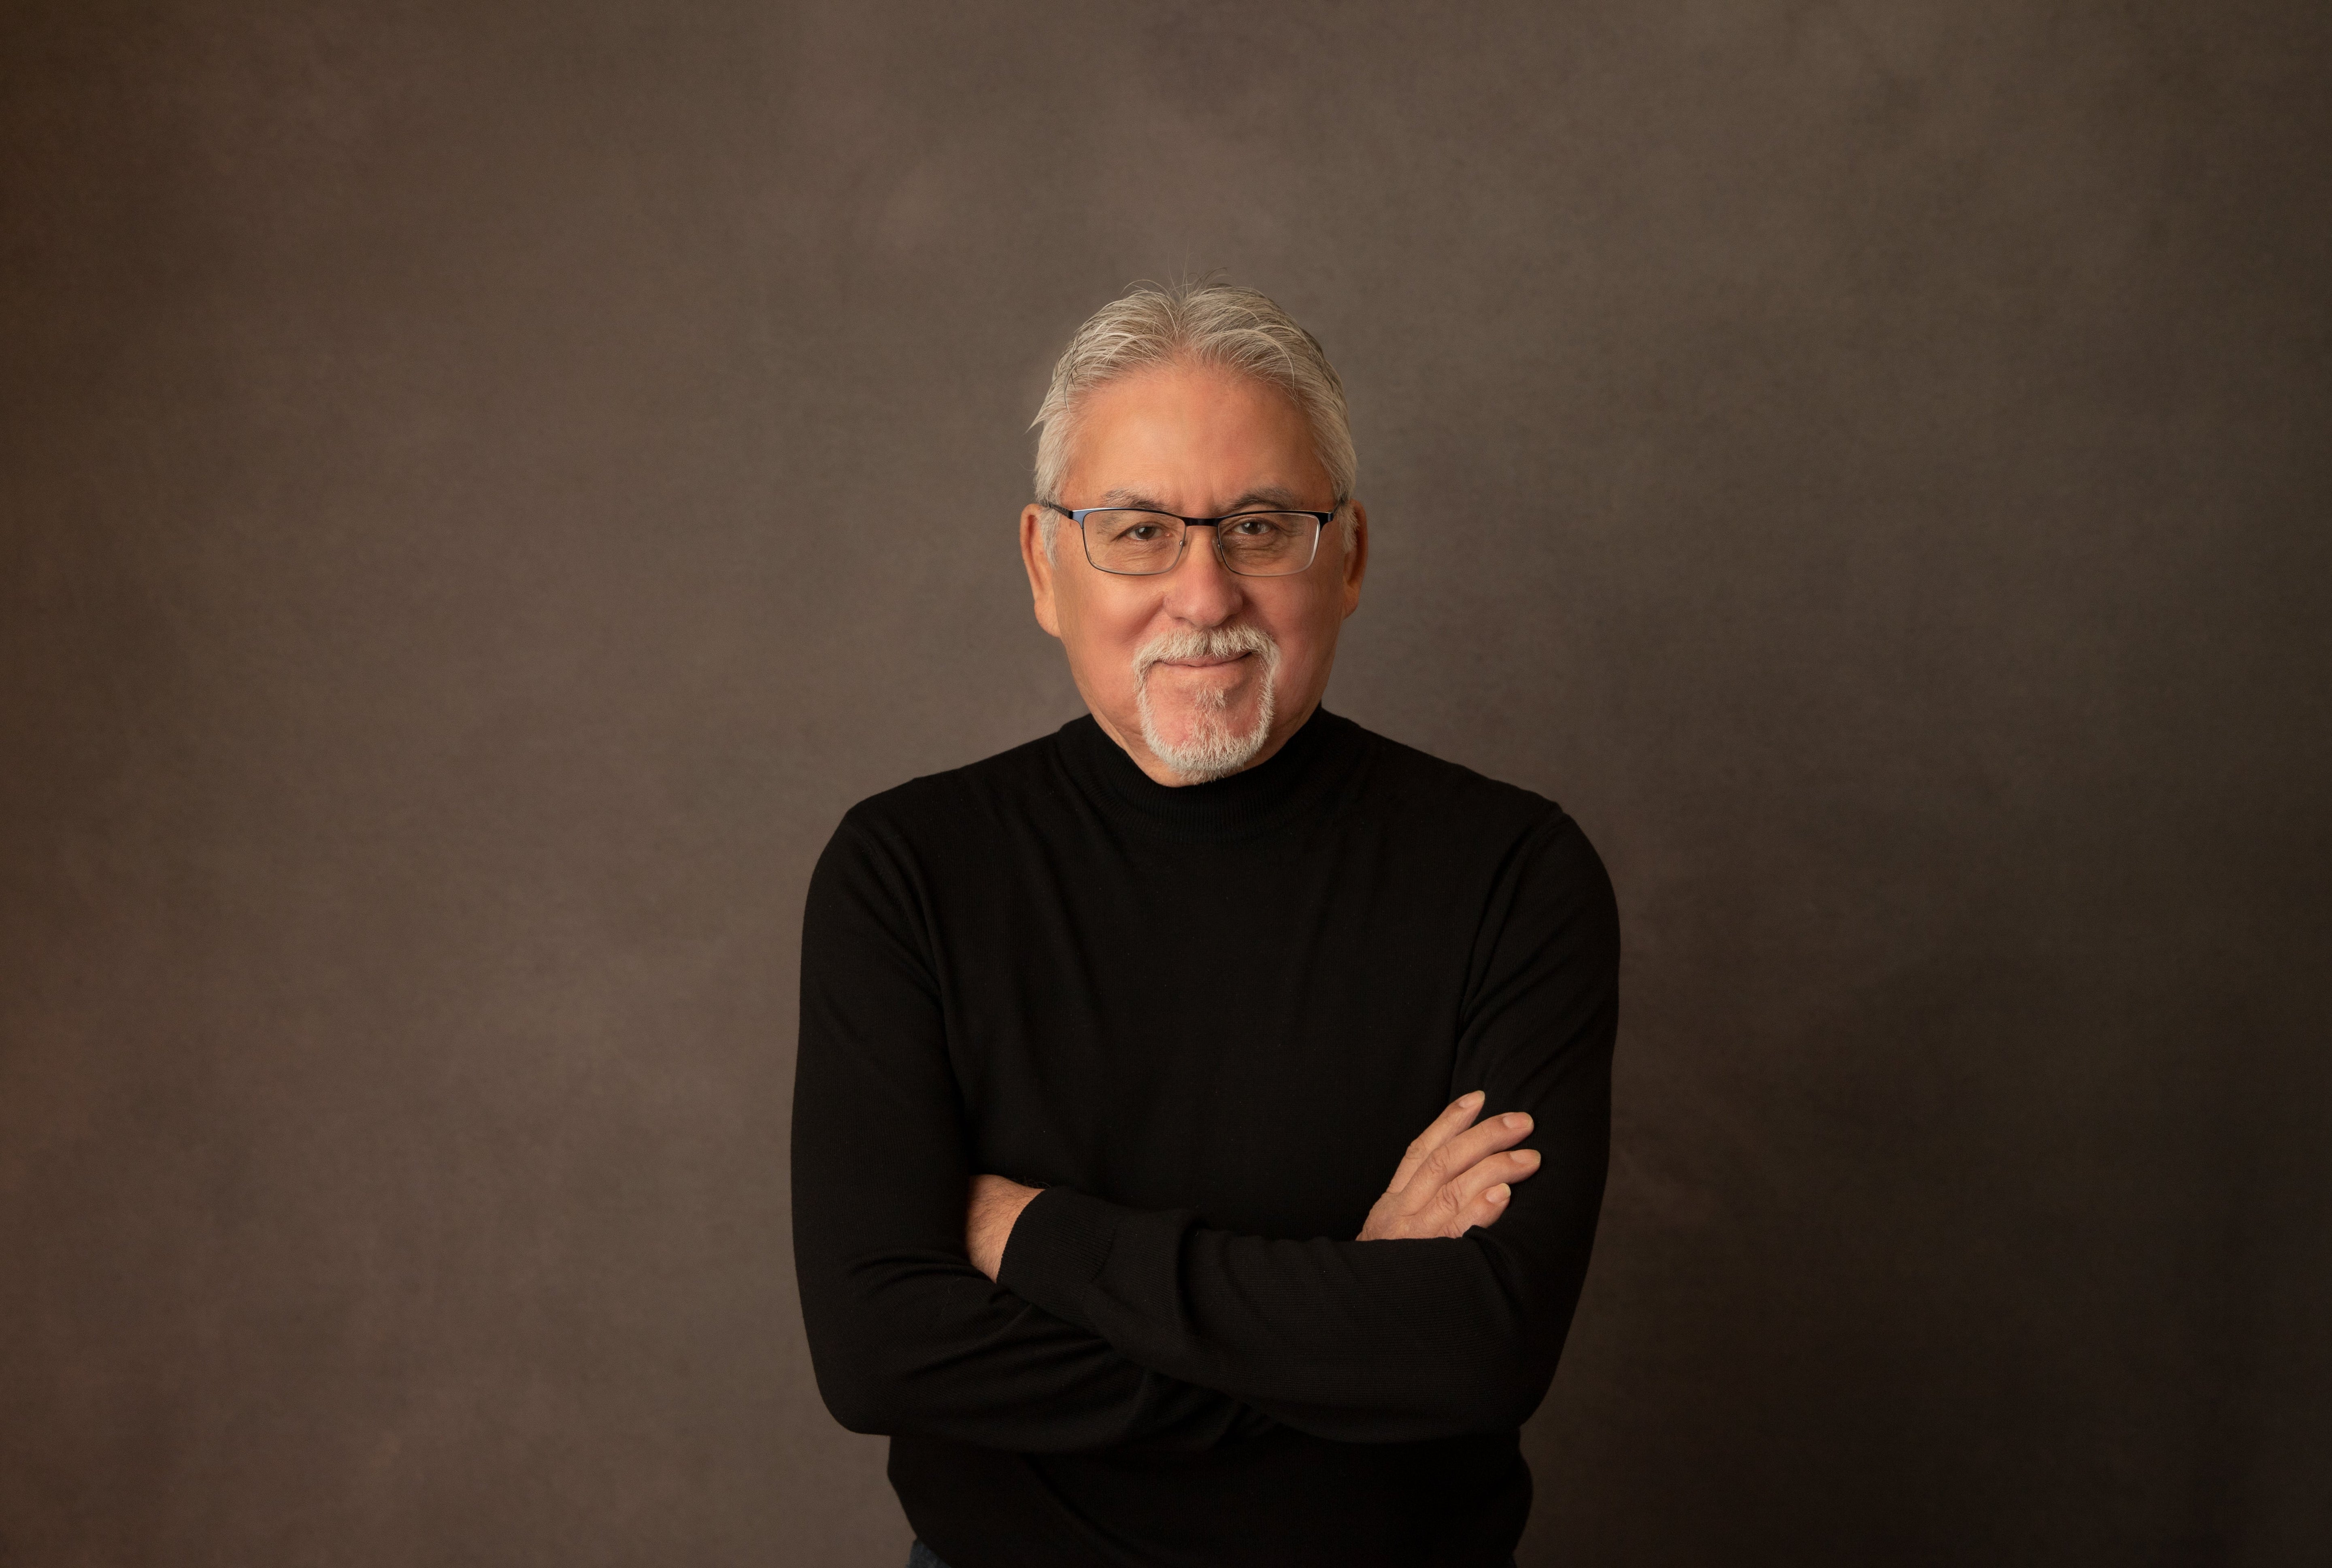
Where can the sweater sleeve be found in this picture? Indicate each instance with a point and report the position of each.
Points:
(1390, 1340)
(905, 1335)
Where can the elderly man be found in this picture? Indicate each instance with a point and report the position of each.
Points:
(1110, 1043)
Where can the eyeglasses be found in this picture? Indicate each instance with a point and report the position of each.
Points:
(1131, 542)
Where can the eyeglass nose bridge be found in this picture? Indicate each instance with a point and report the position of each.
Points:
(1183, 546)
(1214, 522)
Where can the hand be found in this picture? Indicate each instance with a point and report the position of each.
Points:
(1452, 1180)
(996, 1202)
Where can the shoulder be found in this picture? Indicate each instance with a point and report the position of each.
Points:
(1429, 789)
(1504, 829)
(893, 850)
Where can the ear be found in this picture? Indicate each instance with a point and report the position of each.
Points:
(1356, 559)
(1040, 562)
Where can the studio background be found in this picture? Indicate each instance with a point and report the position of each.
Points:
(482, 488)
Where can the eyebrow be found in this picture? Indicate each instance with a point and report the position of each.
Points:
(1270, 495)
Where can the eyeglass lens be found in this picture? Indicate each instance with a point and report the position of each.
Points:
(1253, 544)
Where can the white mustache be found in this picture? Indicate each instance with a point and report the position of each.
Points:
(1205, 643)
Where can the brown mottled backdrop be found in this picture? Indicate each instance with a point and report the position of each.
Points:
(483, 486)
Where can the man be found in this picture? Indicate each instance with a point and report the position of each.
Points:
(1110, 1043)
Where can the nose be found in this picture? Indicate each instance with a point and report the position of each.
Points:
(1201, 589)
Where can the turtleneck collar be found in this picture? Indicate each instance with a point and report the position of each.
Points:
(1284, 787)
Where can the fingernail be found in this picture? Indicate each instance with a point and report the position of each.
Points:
(1515, 1121)
(1499, 1193)
(1529, 1156)
(1470, 1099)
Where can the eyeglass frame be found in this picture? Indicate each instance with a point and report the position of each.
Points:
(1320, 519)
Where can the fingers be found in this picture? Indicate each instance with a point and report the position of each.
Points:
(1479, 1197)
(1455, 1175)
(1491, 1206)
(1461, 1152)
(1452, 1121)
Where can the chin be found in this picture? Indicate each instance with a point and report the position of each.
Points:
(1201, 740)
(1191, 724)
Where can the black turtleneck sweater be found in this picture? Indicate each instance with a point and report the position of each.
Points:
(1208, 1021)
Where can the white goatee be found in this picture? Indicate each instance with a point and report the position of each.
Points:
(1212, 750)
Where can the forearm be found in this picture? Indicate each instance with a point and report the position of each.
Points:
(936, 1352)
(1358, 1341)
(1298, 1315)
(908, 1337)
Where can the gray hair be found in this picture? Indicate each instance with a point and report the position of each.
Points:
(1238, 329)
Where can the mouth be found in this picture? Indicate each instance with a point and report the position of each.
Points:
(1206, 662)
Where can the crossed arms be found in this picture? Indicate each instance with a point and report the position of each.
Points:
(1453, 1177)
(1058, 1322)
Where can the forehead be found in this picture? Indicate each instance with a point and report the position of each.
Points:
(1192, 437)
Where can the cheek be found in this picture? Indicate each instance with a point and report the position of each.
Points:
(1101, 636)
(1307, 630)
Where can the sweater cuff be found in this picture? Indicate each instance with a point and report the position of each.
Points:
(1057, 1246)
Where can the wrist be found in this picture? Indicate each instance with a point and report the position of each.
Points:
(996, 1205)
